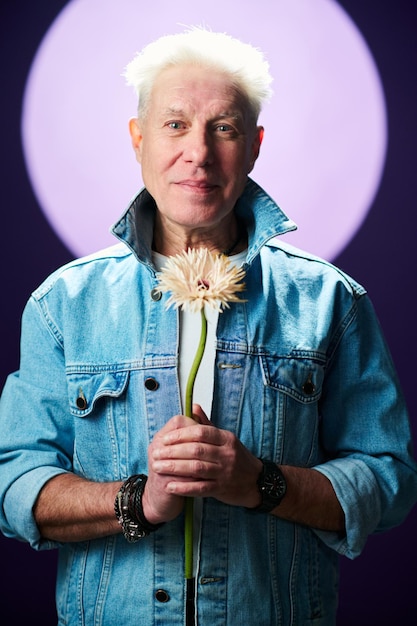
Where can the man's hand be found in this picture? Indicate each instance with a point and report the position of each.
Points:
(194, 458)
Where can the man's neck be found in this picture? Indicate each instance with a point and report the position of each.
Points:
(227, 238)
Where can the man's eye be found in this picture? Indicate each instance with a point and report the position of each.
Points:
(230, 131)
(174, 125)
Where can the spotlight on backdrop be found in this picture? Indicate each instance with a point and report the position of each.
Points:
(325, 128)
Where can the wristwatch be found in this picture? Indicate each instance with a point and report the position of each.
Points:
(272, 487)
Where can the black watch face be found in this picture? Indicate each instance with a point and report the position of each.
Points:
(274, 485)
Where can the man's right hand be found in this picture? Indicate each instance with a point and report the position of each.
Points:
(159, 505)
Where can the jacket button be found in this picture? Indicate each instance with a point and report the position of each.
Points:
(156, 295)
(81, 402)
(162, 596)
(309, 387)
(151, 384)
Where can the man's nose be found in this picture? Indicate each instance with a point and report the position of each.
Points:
(199, 148)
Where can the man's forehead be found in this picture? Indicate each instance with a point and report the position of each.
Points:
(185, 96)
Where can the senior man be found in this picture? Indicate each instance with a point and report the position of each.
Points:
(300, 444)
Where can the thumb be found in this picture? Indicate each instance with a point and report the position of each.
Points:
(199, 415)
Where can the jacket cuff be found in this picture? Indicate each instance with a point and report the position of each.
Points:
(357, 490)
(19, 502)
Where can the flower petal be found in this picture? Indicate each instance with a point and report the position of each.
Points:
(199, 277)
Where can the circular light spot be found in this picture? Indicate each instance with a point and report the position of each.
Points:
(325, 128)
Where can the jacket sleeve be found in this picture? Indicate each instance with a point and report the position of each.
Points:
(36, 432)
(366, 433)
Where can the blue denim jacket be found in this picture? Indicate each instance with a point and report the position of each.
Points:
(93, 331)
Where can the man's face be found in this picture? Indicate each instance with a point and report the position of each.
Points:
(196, 146)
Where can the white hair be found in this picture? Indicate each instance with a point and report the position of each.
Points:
(245, 64)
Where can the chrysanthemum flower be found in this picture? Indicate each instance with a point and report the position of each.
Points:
(199, 277)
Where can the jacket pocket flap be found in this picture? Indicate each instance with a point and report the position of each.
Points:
(300, 378)
(84, 389)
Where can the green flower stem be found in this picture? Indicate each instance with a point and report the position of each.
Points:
(194, 368)
(189, 503)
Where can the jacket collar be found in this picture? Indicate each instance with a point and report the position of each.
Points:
(261, 215)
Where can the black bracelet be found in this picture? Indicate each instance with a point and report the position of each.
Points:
(129, 511)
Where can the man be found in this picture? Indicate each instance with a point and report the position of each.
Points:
(307, 450)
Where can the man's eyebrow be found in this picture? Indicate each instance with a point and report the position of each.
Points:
(172, 111)
(234, 114)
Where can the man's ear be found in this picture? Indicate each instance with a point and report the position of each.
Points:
(136, 137)
(256, 146)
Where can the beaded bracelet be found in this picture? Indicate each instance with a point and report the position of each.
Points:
(129, 510)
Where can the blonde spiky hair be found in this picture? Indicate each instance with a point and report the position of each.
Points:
(245, 64)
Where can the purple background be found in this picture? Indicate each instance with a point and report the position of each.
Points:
(379, 588)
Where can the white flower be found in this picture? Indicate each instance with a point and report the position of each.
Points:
(199, 277)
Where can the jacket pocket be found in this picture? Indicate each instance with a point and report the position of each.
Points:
(99, 422)
(293, 388)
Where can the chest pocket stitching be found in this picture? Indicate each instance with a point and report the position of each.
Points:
(302, 379)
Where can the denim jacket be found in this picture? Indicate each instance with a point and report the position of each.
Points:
(302, 376)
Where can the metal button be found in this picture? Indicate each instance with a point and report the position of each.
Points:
(309, 387)
(162, 596)
(151, 384)
(156, 294)
(81, 402)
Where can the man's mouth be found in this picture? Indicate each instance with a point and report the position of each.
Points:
(197, 185)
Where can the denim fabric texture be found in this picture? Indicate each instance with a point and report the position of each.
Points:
(302, 376)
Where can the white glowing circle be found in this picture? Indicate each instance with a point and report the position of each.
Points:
(326, 133)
